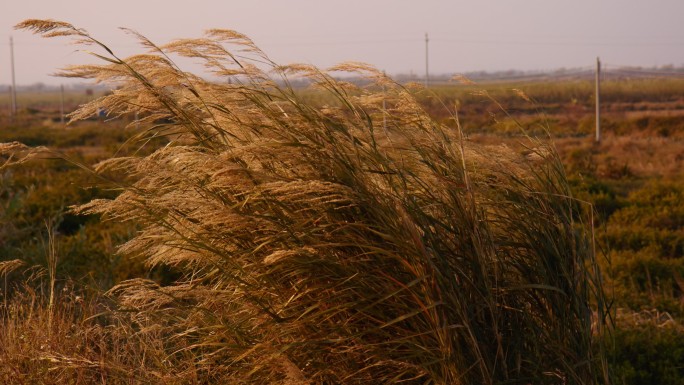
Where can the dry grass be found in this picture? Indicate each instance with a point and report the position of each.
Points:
(81, 341)
(621, 157)
(353, 242)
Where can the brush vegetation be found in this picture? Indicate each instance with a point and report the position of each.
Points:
(351, 241)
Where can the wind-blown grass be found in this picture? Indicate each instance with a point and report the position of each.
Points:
(353, 242)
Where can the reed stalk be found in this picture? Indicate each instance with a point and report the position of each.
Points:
(353, 240)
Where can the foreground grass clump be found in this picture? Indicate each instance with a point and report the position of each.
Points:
(53, 332)
(353, 242)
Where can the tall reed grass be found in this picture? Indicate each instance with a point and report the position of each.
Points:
(351, 241)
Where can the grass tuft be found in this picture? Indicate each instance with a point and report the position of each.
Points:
(355, 241)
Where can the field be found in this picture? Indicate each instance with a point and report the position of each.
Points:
(61, 321)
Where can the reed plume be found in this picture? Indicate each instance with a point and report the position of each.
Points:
(348, 239)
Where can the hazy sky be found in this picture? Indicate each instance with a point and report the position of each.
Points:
(390, 34)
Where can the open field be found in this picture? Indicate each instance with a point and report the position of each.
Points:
(633, 178)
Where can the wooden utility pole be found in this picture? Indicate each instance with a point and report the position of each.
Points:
(427, 73)
(61, 103)
(598, 100)
(11, 108)
(14, 84)
(384, 106)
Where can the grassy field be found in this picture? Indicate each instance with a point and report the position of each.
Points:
(315, 236)
(633, 178)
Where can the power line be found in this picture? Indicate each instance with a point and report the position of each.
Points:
(437, 39)
(556, 43)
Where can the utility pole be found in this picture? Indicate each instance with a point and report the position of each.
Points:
(61, 103)
(14, 84)
(384, 106)
(598, 100)
(427, 73)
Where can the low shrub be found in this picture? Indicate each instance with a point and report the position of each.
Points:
(648, 353)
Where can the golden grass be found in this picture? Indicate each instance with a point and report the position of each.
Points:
(354, 242)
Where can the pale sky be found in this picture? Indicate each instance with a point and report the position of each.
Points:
(487, 35)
